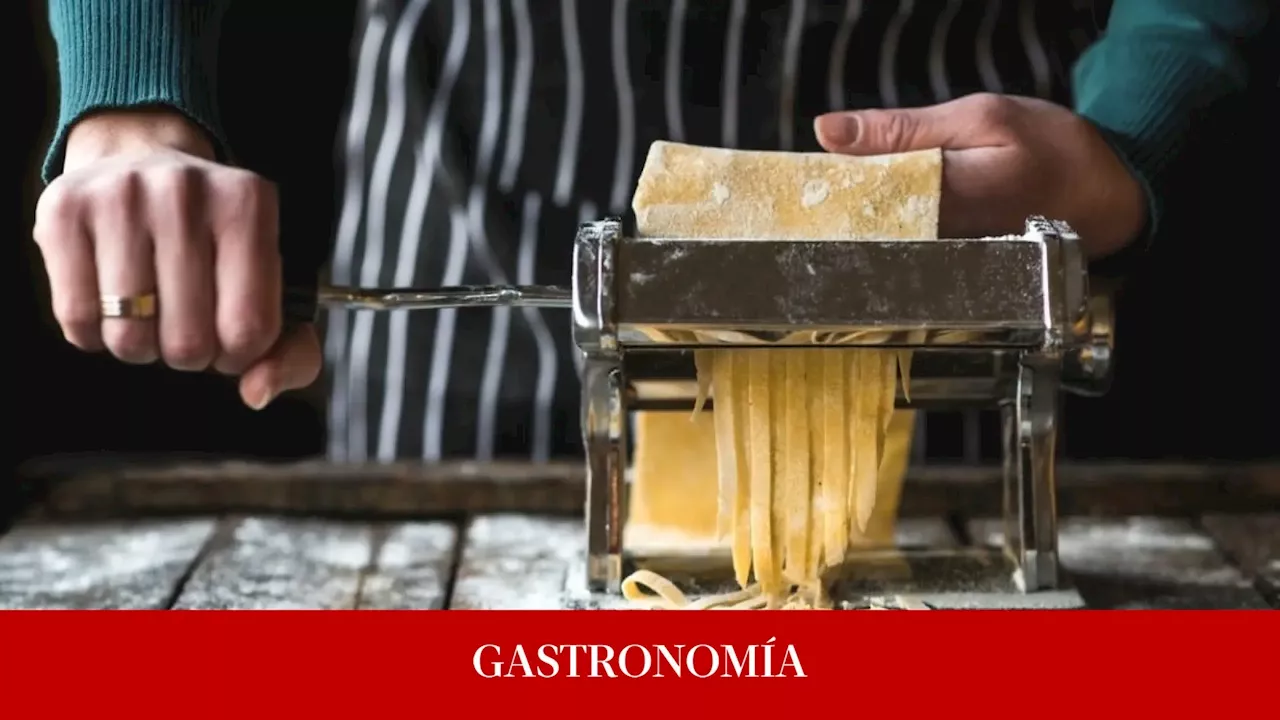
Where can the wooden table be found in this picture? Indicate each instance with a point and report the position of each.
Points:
(98, 535)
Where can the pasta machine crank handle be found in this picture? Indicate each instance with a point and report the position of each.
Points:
(301, 304)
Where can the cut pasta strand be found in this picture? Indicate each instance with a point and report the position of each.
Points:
(799, 458)
(794, 494)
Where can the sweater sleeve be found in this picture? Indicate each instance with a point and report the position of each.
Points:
(135, 53)
(1159, 65)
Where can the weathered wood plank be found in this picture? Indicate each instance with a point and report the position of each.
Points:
(1143, 562)
(413, 568)
(936, 567)
(517, 562)
(403, 491)
(1253, 543)
(132, 565)
(527, 562)
(90, 488)
(270, 563)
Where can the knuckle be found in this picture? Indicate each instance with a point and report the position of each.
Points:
(122, 191)
(131, 342)
(247, 199)
(249, 337)
(75, 312)
(266, 191)
(991, 109)
(58, 206)
(175, 192)
(245, 190)
(83, 336)
(59, 198)
(175, 185)
(896, 129)
(187, 351)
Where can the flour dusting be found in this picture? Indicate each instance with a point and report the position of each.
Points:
(92, 566)
(515, 562)
(815, 191)
(720, 193)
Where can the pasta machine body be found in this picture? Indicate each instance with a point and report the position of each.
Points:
(1005, 322)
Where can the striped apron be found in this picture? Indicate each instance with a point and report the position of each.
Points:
(481, 132)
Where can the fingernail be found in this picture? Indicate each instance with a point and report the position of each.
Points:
(261, 398)
(838, 128)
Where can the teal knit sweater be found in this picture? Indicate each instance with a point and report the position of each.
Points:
(1160, 64)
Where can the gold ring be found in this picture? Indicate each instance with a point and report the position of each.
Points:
(137, 307)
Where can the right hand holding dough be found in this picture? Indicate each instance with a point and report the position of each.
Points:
(142, 208)
(1006, 158)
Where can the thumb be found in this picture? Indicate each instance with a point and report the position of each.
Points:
(292, 364)
(880, 132)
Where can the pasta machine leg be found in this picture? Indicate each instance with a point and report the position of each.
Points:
(1029, 423)
(604, 425)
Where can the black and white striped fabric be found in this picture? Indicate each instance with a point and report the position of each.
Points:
(480, 132)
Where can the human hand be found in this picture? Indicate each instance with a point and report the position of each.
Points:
(142, 208)
(1006, 158)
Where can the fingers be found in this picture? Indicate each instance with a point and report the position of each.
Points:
(985, 192)
(67, 250)
(984, 178)
(293, 363)
(879, 132)
(184, 271)
(126, 268)
(978, 120)
(247, 271)
(201, 237)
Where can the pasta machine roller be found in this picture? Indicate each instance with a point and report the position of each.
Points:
(1003, 321)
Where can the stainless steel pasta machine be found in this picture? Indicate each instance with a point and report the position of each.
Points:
(1004, 322)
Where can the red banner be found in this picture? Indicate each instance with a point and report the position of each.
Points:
(621, 664)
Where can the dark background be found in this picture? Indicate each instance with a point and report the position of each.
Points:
(1195, 376)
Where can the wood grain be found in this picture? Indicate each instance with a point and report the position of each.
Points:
(130, 565)
(1253, 543)
(271, 563)
(82, 489)
(1142, 563)
(413, 568)
(514, 562)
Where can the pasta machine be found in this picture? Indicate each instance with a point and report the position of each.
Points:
(1003, 321)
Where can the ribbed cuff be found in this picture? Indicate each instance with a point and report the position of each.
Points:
(1143, 90)
(135, 53)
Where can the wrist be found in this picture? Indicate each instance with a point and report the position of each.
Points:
(1126, 205)
(1120, 197)
(134, 131)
